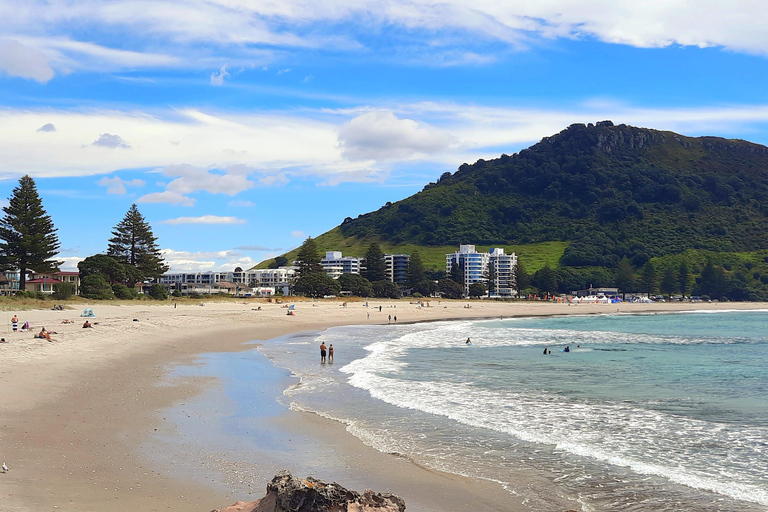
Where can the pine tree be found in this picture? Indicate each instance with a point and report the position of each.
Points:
(522, 277)
(648, 279)
(29, 240)
(490, 275)
(625, 279)
(375, 267)
(670, 282)
(134, 245)
(685, 277)
(416, 273)
(308, 259)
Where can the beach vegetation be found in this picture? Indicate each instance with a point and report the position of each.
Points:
(158, 292)
(64, 291)
(177, 293)
(356, 284)
(94, 286)
(385, 289)
(308, 258)
(375, 267)
(316, 285)
(477, 290)
(134, 245)
(123, 292)
(426, 288)
(28, 239)
(450, 289)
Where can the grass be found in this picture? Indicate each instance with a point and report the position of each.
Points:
(534, 256)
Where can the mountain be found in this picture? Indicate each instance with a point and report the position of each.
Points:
(599, 192)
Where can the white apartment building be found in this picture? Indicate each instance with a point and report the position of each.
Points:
(476, 265)
(397, 267)
(335, 264)
(241, 281)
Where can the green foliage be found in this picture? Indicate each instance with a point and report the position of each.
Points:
(476, 290)
(425, 288)
(158, 292)
(316, 285)
(625, 279)
(451, 289)
(375, 267)
(278, 262)
(648, 279)
(64, 291)
(112, 270)
(28, 240)
(40, 296)
(94, 286)
(308, 259)
(176, 293)
(356, 284)
(122, 292)
(386, 290)
(545, 279)
(415, 273)
(134, 245)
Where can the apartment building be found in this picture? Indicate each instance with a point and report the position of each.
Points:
(478, 267)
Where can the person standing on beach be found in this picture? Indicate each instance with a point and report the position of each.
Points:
(395, 318)
(322, 352)
(15, 323)
(330, 353)
(389, 318)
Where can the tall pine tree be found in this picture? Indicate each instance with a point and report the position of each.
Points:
(134, 245)
(375, 266)
(308, 259)
(29, 240)
(416, 273)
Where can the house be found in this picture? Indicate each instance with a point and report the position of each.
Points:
(47, 283)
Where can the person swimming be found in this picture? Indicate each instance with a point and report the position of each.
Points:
(469, 341)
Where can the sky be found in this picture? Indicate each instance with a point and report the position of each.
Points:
(240, 127)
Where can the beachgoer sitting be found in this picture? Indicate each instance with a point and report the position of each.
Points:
(87, 325)
(45, 335)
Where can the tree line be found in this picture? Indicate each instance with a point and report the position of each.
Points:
(29, 242)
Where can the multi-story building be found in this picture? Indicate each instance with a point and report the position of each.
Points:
(238, 282)
(335, 264)
(478, 267)
(48, 282)
(397, 267)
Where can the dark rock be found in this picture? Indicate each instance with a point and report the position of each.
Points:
(286, 493)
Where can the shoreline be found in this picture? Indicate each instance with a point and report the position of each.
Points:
(74, 412)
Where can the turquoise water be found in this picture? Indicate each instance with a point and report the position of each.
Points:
(646, 412)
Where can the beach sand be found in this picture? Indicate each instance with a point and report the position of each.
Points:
(74, 412)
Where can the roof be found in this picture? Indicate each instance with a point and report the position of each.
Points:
(66, 273)
(45, 280)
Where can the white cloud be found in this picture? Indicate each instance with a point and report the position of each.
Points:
(380, 135)
(193, 33)
(69, 263)
(298, 234)
(205, 219)
(167, 197)
(48, 127)
(218, 78)
(183, 261)
(23, 61)
(283, 71)
(107, 140)
(116, 185)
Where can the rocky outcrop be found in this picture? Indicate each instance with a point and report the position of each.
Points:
(286, 493)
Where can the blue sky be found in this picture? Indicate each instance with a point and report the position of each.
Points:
(240, 127)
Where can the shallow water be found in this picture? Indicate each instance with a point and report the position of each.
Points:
(646, 412)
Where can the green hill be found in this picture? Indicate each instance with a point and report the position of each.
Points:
(585, 197)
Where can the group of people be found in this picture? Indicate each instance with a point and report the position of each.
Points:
(324, 350)
(44, 333)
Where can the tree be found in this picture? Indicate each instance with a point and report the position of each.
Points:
(375, 267)
(625, 278)
(29, 240)
(545, 279)
(416, 272)
(490, 278)
(386, 289)
(451, 289)
(476, 290)
(685, 278)
(356, 285)
(64, 291)
(713, 281)
(134, 245)
(426, 288)
(279, 261)
(158, 292)
(95, 286)
(316, 284)
(669, 282)
(308, 259)
(648, 279)
(112, 270)
(457, 272)
(522, 277)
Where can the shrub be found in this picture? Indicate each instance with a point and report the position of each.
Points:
(94, 286)
(39, 295)
(176, 293)
(64, 291)
(122, 292)
(158, 292)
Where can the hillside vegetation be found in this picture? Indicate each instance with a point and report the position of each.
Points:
(586, 198)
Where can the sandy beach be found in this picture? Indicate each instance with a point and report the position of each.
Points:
(74, 411)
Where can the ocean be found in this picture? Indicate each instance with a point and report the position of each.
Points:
(661, 412)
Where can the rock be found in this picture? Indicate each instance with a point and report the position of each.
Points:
(286, 493)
